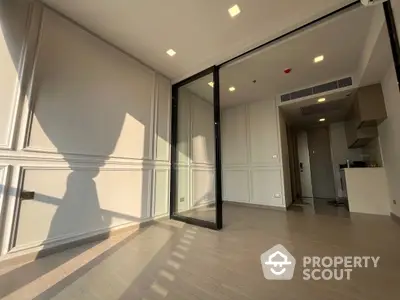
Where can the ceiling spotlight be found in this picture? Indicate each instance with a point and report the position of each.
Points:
(318, 59)
(234, 10)
(232, 89)
(171, 52)
(211, 83)
(322, 120)
(320, 100)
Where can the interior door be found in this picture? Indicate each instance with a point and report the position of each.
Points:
(196, 162)
(304, 165)
(323, 184)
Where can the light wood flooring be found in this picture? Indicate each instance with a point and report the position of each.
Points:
(171, 260)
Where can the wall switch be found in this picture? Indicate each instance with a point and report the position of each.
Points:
(274, 156)
(182, 199)
(277, 195)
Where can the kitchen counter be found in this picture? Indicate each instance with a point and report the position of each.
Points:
(367, 190)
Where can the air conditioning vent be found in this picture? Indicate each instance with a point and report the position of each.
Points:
(301, 93)
(345, 82)
(318, 89)
(322, 88)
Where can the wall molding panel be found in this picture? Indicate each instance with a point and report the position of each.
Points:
(160, 193)
(163, 120)
(22, 174)
(28, 15)
(237, 177)
(267, 187)
(119, 153)
(4, 179)
(36, 141)
(252, 174)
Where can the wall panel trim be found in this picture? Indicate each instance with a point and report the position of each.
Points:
(14, 205)
(4, 182)
(76, 159)
(153, 196)
(28, 110)
(22, 71)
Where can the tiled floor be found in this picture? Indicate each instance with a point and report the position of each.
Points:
(174, 261)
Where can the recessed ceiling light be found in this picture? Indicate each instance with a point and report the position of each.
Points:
(171, 52)
(320, 100)
(322, 120)
(232, 89)
(318, 59)
(234, 10)
(211, 83)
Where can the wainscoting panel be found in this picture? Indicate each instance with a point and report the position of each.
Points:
(89, 98)
(234, 136)
(203, 140)
(203, 186)
(93, 133)
(163, 118)
(267, 187)
(13, 15)
(4, 169)
(161, 192)
(251, 159)
(236, 185)
(71, 202)
(263, 133)
(184, 127)
(182, 200)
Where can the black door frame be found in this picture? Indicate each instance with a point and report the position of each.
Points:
(393, 36)
(217, 225)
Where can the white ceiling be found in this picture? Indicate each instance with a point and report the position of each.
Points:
(341, 40)
(200, 31)
(380, 59)
(342, 101)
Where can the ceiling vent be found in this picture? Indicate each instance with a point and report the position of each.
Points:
(318, 89)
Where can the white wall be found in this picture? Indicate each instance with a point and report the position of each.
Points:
(367, 190)
(196, 151)
(251, 155)
(389, 133)
(372, 152)
(93, 139)
(340, 152)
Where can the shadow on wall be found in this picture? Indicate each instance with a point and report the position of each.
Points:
(89, 112)
(76, 110)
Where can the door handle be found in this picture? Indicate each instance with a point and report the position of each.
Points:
(27, 195)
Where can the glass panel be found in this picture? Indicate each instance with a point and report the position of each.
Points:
(194, 198)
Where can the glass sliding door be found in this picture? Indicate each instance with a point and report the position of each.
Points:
(196, 196)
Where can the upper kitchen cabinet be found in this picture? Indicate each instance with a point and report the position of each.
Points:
(369, 106)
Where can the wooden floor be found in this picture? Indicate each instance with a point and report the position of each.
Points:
(171, 260)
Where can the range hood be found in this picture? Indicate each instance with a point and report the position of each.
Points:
(359, 137)
(367, 112)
